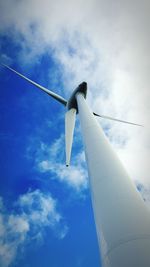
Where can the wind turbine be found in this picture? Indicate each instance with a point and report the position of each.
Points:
(121, 216)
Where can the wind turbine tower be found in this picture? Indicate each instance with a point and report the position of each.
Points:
(121, 216)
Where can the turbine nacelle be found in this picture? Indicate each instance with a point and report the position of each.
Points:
(72, 102)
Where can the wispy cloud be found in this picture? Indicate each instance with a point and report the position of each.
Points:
(30, 214)
(73, 176)
(50, 159)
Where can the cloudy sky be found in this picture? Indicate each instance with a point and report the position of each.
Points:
(46, 215)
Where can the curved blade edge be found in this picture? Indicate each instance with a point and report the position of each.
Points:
(52, 94)
(110, 118)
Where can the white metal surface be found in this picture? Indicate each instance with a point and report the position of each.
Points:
(121, 216)
(70, 117)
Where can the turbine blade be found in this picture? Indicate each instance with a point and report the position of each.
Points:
(52, 94)
(110, 118)
(69, 130)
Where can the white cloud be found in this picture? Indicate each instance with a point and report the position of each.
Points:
(45, 212)
(74, 176)
(50, 159)
(35, 211)
(19, 224)
(104, 43)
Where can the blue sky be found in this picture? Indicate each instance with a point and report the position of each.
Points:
(46, 216)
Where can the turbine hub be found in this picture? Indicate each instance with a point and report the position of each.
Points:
(72, 102)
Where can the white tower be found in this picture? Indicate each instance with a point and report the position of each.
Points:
(121, 216)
